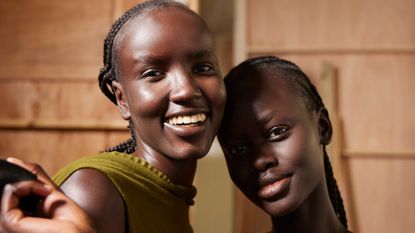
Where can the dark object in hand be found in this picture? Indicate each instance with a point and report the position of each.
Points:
(11, 173)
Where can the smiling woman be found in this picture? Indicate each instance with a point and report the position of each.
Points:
(162, 73)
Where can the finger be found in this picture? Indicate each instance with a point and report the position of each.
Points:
(38, 225)
(8, 201)
(12, 193)
(24, 188)
(9, 214)
(35, 169)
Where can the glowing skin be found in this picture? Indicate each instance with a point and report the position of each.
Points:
(274, 151)
(272, 145)
(171, 88)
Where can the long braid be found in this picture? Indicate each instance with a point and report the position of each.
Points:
(314, 102)
(109, 72)
(334, 192)
(127, 146)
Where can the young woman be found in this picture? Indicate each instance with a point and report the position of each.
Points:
(162, 73)
(273, 135)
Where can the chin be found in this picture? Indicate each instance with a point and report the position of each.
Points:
(278, 208)
(190, 152)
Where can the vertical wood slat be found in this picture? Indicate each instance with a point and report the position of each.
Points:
(240, 52)
(329, 92)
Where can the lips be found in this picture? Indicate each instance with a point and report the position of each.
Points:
(274, 187)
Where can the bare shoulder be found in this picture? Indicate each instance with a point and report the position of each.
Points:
(96, 194)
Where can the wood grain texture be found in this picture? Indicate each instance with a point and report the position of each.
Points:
(324, 24)
(52, 39)
(383, 194)
(54, 149)
(57, 100)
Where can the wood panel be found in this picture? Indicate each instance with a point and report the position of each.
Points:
(330, 25)
(248, 218)
(383, 194)
(54, 149)
(56, 100)
(52, 39)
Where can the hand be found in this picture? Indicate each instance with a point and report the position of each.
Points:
(59, 213)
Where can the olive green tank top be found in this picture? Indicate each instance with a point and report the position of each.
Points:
(152, 202)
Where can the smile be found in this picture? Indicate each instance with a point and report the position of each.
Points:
(187, 120)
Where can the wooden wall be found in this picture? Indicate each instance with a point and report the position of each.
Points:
(51, 53)
(372, 46)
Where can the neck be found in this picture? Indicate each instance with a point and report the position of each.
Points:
(181, 172)
(315, 215)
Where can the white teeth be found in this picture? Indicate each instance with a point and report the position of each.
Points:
(189, 119)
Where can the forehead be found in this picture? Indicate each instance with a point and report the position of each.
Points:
(165, 28)
(262, 94)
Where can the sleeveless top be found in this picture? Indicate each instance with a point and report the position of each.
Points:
(152, 202)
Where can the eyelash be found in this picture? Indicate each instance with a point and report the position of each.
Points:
(200, 68)
(275, 134)
(203, 68)
(278, 133)
(238, 149)
(152, 73)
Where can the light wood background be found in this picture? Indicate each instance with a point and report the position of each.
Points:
(51, 53)
(371, 44)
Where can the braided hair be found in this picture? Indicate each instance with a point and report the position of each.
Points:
(110, 71)
(309, 93)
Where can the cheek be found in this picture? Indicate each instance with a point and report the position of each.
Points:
(146, 100)
(214, 90)
(241, 174)
(307, 160)
(302, 149)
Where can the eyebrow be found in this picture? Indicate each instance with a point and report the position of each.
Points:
(266, 117)
(201, 54)
(150, 59)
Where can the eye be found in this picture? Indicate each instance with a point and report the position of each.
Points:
(238, 150)
(204, 68)
(153, 73)
(278, 133)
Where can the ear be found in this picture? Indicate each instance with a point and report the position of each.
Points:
(121, 100)
(324, 126)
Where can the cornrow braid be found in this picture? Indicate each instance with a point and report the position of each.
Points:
(334, 192)
(109, 72)
(127, 146)
(309, 93)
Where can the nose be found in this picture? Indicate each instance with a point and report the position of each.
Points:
(265, 159)
(184, 87)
